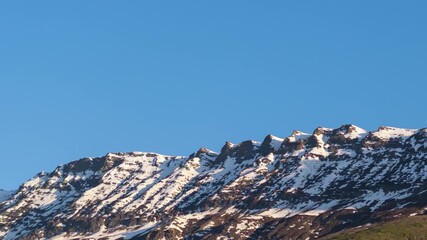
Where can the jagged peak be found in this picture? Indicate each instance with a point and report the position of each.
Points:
(389, 128)
(351, 128)
(272, 137)
(255, 143)
(124, 155)
(227, 146)
(248, 143)
(320, 136)
(127, 154)
(297, 135)
(203, 151)
(42, 174)
(351, 131)
(322, 130)
(271, 142)
(387, 132)
(275, 142)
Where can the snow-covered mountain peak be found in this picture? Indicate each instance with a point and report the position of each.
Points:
(352, 131)
(203, 150)
(280, 187)
(297, 135)
(228, 146)
(322, 131)
(272, 142)
(385, 132)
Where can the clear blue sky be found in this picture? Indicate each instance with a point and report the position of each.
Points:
(83, 78)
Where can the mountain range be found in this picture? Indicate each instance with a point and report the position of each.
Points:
(304, 186)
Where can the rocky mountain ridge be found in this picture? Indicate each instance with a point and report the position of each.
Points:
(304, 186)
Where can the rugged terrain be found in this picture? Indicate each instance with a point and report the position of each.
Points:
(304, 186)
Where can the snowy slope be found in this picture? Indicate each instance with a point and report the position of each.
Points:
(280, 187)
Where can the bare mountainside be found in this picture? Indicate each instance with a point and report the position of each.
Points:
(304, 186)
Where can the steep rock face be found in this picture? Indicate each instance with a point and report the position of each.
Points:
(302, 186)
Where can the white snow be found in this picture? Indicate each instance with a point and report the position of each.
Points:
(392, 132)
(148, 183)
(348, 152)
(320, 151)
(104, 233)
(276, 142)
(298, 135)
(181, 221)
(317, 210)
(376, 199)
(356, 132)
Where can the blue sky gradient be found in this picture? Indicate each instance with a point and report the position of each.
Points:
(83, 78)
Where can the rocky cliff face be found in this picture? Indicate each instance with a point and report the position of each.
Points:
(304, 186)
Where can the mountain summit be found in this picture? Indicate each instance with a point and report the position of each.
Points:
(304, 186)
